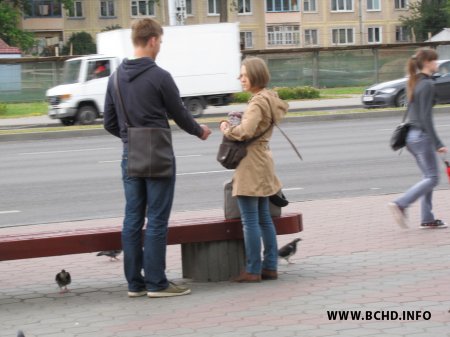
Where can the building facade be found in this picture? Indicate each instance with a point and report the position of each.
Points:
(264, 24)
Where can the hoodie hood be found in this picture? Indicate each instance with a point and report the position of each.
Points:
(131, 69)
(278, 106)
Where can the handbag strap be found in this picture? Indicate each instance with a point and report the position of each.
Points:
(405, 114)
(122, 106)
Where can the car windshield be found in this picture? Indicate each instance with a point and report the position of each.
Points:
(71, 71)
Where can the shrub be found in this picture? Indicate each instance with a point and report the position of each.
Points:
(241, 97)
(3, 109)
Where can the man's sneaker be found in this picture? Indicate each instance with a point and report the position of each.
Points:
(133, 294)
(170, 291)
(434, 224)
(399, 214)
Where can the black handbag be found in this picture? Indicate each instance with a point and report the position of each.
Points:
(398, 138)
(150, 152)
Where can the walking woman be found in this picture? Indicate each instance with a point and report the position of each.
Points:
(422, 140)
(254, 179)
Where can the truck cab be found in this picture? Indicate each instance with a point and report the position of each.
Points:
(80, 98)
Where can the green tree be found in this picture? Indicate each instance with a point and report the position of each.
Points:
(9, 31)
(82, 44)
(427, 17)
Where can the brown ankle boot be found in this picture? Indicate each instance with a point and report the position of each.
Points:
(267, 274)
(245, 277)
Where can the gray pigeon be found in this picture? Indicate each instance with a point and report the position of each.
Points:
(288, 250)
(111, 253)
(63, 279)
(20, 333)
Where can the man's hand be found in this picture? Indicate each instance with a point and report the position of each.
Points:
(442, 150)
(206, 132)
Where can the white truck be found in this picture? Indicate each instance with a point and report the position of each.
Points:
(204, 61)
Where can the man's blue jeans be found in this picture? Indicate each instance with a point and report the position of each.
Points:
(258, 225)
(421, 147)
(151, 197)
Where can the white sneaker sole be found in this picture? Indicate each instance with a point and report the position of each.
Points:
(158, 294)
(134, 294)
(399, 217)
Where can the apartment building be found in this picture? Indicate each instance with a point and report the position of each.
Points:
(264, 24)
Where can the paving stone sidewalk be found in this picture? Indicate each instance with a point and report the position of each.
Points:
(352, 258)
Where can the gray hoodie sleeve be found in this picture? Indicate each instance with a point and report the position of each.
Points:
(425, 97)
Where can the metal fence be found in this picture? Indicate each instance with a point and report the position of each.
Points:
(27, 79)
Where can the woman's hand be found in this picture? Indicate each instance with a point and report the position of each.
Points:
(224, 125)
(442, 150)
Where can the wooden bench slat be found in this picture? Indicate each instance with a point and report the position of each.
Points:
(77, 241)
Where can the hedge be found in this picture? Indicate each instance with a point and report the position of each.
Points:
(284, 93)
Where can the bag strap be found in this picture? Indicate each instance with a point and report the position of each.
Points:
(284, 134)
(122, 106)
(405, 114)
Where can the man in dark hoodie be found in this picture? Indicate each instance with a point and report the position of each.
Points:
(150, 95)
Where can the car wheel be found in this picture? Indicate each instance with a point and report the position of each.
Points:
(86, 115)
(67, 121)
(195, 107)
(400, 99)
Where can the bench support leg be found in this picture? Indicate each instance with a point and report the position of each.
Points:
(213, 261)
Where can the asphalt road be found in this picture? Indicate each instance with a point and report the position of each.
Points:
(53, 180)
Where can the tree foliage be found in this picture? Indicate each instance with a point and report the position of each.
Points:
(427, 17)
(9, 21)
(82, 44)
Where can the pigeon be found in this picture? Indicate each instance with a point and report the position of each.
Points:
(111, 253)
(20, 333)
(63, 280)
(288, 250)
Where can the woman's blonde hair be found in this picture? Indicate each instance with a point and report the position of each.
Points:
(415, 65)
(257, 72)
(144, 29)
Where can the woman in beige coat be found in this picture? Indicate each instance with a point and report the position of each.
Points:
(254, 179)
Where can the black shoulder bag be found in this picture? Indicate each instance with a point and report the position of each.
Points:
(150, 152)
(398, 138)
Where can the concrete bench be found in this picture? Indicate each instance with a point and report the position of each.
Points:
(212, 248)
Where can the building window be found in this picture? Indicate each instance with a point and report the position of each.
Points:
(283, 35)
(244, 6)
(282, 6)
(341, 5)
(374, 35)
(143, 8)
(342, 36)
(107, 8)
(309, 6)
(213, 7)
(247, 40)
(311, 37)
(76, 11)
(373, 5)
(401, 34)
(188, 7)
(401, 4)
(44, 8)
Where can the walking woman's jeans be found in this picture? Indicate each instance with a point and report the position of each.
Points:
(258, 225)
(151, 197)
(421, 147)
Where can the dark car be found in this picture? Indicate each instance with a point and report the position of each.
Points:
(393, 93)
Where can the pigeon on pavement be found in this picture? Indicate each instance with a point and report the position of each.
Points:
(288, 250)
(63, 279)
(111, 253)
(20, 333)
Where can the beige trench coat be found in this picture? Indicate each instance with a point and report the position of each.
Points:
(255, 174)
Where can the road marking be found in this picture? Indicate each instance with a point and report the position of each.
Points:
(9, 212)
(66, 151)
(202, 172)
(119, 160)
(293, 189)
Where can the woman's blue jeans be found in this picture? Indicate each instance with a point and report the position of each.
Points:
(421, 147)
(258, 225)
(151, 197)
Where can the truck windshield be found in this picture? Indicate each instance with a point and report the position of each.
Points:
(71, 72)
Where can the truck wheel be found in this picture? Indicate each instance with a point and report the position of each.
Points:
(195, 107)
(68, 121)
(86, 115)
